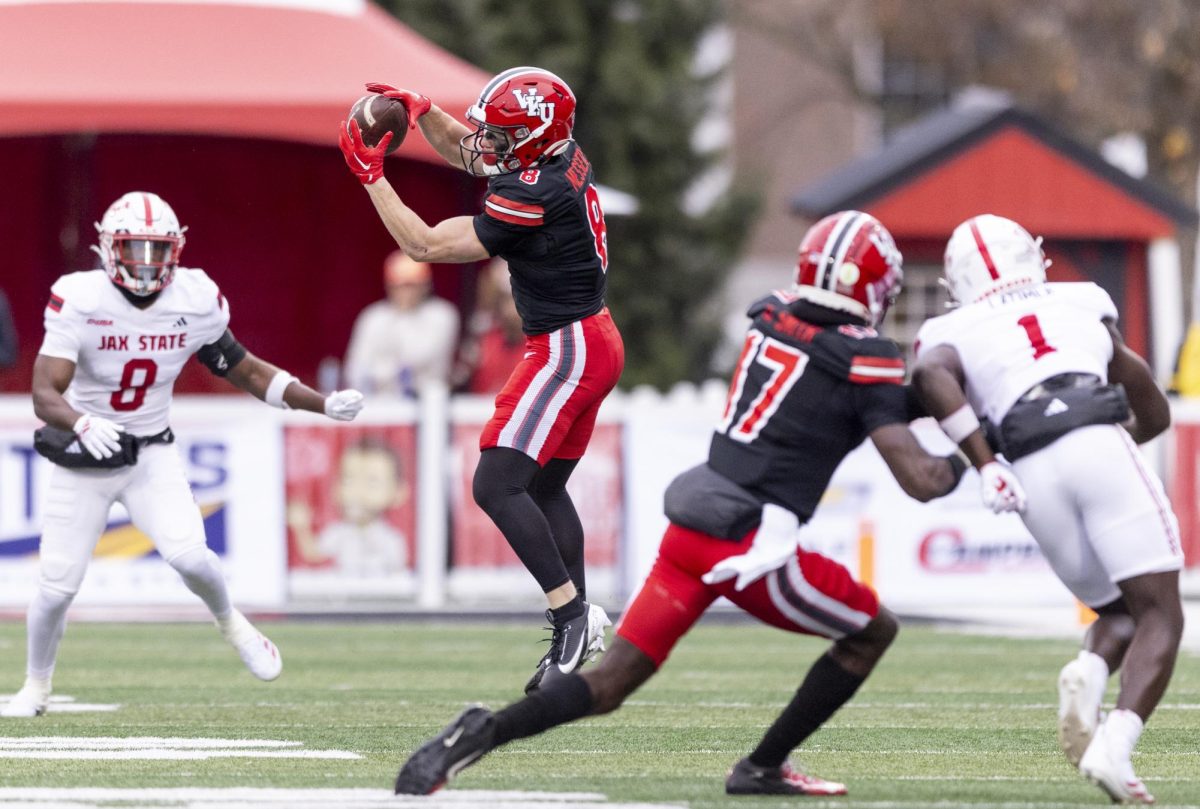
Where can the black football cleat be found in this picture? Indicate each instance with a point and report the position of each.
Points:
(461, 744)
(749, 779)
(573, 643)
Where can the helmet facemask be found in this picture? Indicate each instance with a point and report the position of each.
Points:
(489, 149)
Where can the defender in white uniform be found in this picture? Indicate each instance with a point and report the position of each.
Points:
(1037, 360)
(116, 339)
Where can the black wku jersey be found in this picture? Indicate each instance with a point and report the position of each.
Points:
(546, 222)
(802, 397)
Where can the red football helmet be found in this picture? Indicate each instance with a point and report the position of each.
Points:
(523, 116)
(849, 262)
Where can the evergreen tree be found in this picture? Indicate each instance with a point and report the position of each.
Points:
(631, 65)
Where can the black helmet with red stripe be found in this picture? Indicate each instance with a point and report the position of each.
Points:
(849, 262)
(523, 116)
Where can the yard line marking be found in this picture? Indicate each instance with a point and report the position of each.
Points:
(62, 703)
(277, 798)
(152, 748)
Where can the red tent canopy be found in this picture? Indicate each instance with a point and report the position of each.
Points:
(276, 69)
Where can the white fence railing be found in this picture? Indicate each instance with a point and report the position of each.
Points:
(379, 513)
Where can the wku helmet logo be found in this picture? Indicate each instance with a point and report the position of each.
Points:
(535, 105)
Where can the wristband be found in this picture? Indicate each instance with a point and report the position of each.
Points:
(279, 383)
(960, 424)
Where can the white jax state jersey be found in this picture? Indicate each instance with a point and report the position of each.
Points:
(127, 359)
(1012, 341)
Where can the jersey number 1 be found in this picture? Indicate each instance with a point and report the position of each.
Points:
(786, 365)
(136, 376)
(1033, 330)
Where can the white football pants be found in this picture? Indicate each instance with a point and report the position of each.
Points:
(1098, 513)
(160, 503)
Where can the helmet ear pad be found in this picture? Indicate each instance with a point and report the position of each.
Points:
(849, 261)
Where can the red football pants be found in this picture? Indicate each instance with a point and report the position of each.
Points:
(810, 594)
(548, 407)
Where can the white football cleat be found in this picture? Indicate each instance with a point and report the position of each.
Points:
(1078, 710)
(256, 650)
(30, 701)
(1116, 778)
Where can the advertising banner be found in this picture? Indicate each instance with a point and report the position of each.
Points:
(481, 561)
(350, 502)
(231, 461)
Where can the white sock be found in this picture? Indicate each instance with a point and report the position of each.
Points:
(201, 572)
(1097, 675)
(45, 623)
(1124, 729)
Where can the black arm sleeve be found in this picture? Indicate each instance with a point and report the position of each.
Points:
(220, 357)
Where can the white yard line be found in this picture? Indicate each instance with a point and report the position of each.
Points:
(152, 748)
(246, 798)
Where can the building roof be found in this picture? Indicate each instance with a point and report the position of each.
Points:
(276, 69)
(949, 147)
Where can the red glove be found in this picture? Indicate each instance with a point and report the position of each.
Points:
(415, 104)
(365, 162)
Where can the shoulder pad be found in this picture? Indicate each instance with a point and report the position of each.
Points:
(200, 293)
(1091, 295)
(81, 290)
(777, 297)
(933, 332)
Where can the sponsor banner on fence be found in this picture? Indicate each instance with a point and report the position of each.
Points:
(350, 501)
(481, 561)
(229, 456)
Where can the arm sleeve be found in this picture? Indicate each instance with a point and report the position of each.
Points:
(62, 329)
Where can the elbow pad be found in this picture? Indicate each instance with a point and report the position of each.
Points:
(221, 357)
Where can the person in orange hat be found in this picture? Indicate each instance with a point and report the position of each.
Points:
(407, 340)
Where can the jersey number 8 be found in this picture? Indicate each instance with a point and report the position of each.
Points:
(136, 377)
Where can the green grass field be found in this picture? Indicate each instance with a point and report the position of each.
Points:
(948, 719)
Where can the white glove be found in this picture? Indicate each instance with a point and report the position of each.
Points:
(99, 436)
(1000, 488)
(773, 545)
(343, 405)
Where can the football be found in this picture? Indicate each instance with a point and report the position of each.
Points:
(377, 115)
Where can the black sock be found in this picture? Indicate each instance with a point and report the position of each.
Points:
(556, 703)
(826, 688)
(572, 609)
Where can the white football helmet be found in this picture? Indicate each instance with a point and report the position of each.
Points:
(989, 254)
(140, 242)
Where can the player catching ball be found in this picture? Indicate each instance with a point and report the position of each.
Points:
(116, 339)
(542, 215)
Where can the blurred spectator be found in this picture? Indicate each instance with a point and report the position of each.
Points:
(8, 334)
(361, 542)
(495, 341)
(406, 341)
